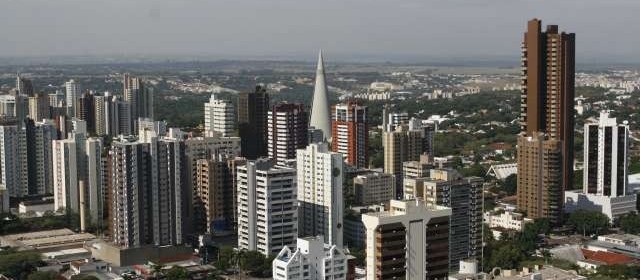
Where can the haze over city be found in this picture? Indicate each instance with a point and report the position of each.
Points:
(354, 30)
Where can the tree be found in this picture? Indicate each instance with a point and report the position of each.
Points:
(510, 184)
(630, 223)
(226, 258)
(18, 264)
(507, 256)
(589, 222)
(177, 273)
(45, 275)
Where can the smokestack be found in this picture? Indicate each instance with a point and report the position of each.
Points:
(82, 206)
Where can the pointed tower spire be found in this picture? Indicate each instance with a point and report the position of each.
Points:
(320, 118)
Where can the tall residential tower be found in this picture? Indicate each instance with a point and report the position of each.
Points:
(545, 146)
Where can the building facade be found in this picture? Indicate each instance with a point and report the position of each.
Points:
(548, 78)
(267, 214)
(401, 145)
(540, 188)
(253, 108)
(446, 187)
(311, 259)
(216, 195)
(288, 131)
(410, 241)
(605, 174)
(320, 193)
(374, 188)
(219, 117)
(350, 133)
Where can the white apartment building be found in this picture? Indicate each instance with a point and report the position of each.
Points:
(267, 214)
(78, 159)
(13, 160)
(606, 162)
(312, 260)
(320, 193)
(219, 116)
(73, 92)
(500, 218)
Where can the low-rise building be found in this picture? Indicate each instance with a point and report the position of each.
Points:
(312, 259)
(36, 207)
(46, 241)
(374, 188)
(501, 218)
(539, 273)
(612, 206)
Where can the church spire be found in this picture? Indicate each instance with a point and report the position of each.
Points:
(320, 118)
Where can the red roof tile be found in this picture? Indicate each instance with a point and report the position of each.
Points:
(607, 257)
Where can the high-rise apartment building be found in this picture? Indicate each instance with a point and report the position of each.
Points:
(287, 128)
(446, 187)
(148, 201)
(78, 158)
(540, 188)
(130, 182)
(25, 157)
(140, 99)
(38, 107)
(311, 259)
(320, 199)
(57, 99)
(100, 114)
(13, 160)
(204, 148)
(547, 121)
(86, 110)
(606, 161)
(401, 145)
(320, 117)
(253, 108)
(267, 214)
(39, 136)
(350, 133)
(215, 194)
(73, 91)
(219, 117)
(24, 86)
(606, 157)
(410, 241)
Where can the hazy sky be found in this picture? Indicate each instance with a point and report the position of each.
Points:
(298, 28)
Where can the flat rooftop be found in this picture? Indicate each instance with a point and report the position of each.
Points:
(46, 239)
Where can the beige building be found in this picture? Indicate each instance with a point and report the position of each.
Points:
(215, 194)
(401, 145)
(463, 195)
(540, 192)
(374, 188)
(409, 241)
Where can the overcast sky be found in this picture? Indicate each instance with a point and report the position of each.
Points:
(298, 28)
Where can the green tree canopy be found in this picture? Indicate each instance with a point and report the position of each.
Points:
(45, 275)
(177, 273)
(630, 223)
(18, 264)
(589, 222)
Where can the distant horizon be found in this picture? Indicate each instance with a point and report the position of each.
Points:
(418, 31)
(496, 61)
